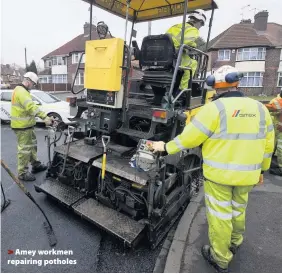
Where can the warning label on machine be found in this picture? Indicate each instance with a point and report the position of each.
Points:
(20, 257)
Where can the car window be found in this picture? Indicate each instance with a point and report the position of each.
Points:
(6, 96)
(46, 98)
(34, 99)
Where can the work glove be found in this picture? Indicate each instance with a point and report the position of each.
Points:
(279, 127)
(49, 121)
(158, 146)
(260, 180)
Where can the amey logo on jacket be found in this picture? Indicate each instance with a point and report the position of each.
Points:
(237, 113)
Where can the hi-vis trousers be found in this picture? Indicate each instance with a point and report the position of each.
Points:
(187, 61)
(226, 212)
(27, 149)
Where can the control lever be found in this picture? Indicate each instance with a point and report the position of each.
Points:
(71, 131)
(105, 142)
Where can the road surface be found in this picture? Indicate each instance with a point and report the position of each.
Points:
(22, 228)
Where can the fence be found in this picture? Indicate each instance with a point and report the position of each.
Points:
(54, 87)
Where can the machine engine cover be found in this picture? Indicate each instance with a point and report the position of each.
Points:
(103, 64)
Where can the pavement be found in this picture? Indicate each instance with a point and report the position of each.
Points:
(22, 229)
(261, 251)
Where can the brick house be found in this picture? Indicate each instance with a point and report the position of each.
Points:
(11, 74)
(255, 49)
(60, 65)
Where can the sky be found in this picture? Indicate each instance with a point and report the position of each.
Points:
(44, 25)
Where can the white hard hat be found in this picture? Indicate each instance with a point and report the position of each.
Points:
(224, 77)
(31, 76)
(199, 15)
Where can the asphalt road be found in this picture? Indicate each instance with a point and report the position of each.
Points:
(22, 228)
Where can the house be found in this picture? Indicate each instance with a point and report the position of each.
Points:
(254, 49)
(11, 74)
(60, 65)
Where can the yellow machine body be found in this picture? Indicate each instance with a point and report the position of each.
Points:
(103, 62)
(191, 113)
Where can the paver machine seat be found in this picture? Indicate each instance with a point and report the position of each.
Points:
(157, 58)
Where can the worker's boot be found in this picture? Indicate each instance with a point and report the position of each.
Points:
(38, 167)
(27, 176)
(275, 171)
(234, 248)
(206, 252)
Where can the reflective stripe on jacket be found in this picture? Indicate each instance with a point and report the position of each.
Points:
(191, 35)
(238, 140)
(23, 109)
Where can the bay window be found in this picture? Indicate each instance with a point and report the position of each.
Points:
(279, 82)
(79, 81)
(252, 79)
(58, 61)
(251, 54)
(59, 78)
(45, 79)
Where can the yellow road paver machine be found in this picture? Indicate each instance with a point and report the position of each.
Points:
(105, 172)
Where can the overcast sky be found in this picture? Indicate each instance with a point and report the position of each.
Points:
(44, 25)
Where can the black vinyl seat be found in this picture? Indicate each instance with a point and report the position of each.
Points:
(157, 58)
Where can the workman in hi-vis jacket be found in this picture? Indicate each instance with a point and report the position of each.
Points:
(23, 113)
(196, 20)
(275, 108)
(237, 138)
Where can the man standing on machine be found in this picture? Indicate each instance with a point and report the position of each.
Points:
(196, 20)
(237, 138)
(23, 113)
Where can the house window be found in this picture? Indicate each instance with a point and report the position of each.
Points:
(79, 79)
(224, 55)
(250, 54)
(59, 78)
(48, 63)
(279, 83)
(6, 96)
(45, 79)
(76, 56)
(252, 79)
(58, 61)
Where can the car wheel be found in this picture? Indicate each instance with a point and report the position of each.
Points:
(56, 116)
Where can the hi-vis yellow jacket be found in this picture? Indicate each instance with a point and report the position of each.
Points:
(23, 109)
(238, 140)
(191, 35)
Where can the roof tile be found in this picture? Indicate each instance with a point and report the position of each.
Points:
(244, 35)
(76, 44)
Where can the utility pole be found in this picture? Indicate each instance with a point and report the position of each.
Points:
(149, 27)
(25, 58)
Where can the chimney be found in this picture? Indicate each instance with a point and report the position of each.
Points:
(261, 19)
(86, 28)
